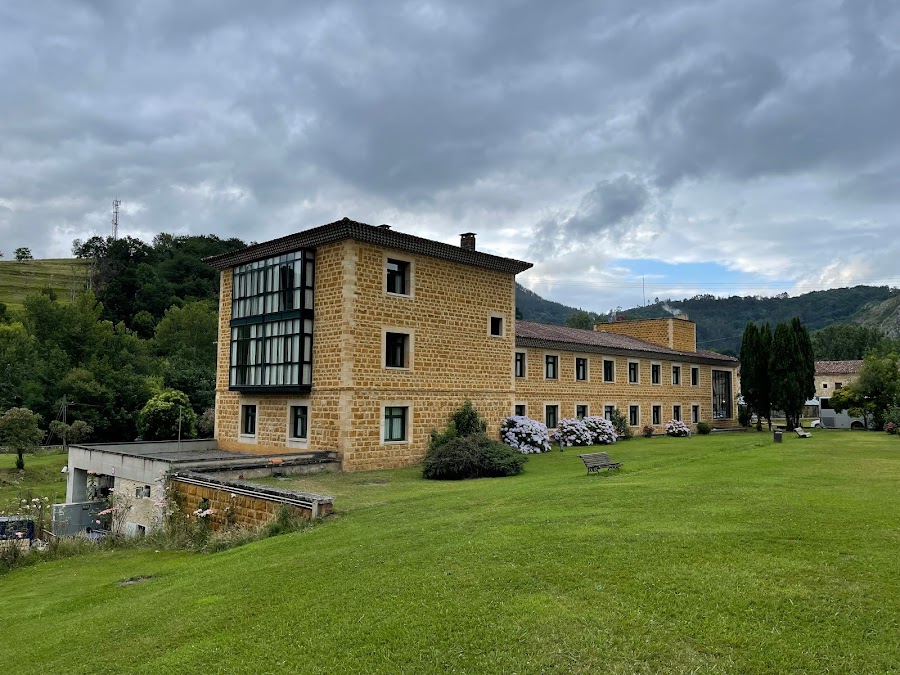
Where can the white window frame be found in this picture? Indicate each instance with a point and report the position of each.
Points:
(523, 404)
(680, 407)
(410, 348)
(558, 366)
(699, 413)
(603, 361)
(680, 374)
(410, 282)
(660, 406)
(409, 418)
(606, 405)
(657, 364)
(242, 437)
(587, 407)
(638, 406)
(693, 370)
(638, 369)
(524, 364)
(587, 367)
(558, 412)
(293, 441)
(491, 317)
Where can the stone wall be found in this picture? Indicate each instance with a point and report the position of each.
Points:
(231, 506)
(673, 333)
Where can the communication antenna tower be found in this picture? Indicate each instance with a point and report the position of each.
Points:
(115, 220)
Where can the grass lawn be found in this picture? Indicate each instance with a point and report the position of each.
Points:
(723, 553)
(42, 478)
(20, 278)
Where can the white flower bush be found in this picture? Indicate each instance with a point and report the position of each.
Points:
(572, 432)
(602, 430)
(526, 435)
(677, 428)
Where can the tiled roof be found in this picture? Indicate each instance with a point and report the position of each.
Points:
(547, 336)
(838, 367)
(370, 234)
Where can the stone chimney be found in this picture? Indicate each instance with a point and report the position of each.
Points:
(467, 241)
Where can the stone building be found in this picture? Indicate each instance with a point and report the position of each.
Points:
(832, 375)
(363, 339)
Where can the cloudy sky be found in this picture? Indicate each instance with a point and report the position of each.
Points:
(660, 148)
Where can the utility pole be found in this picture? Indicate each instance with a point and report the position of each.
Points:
(115, 219)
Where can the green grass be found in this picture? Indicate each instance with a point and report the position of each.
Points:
(42, 478)
(19, 279)
(724, 553)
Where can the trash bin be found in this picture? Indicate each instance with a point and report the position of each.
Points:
(777, 436)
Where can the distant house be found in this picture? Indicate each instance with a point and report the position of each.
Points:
(362, 340)
(832, 375)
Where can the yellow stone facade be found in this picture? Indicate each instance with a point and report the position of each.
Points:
(675, 333)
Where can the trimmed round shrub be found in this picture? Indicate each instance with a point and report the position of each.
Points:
(704, 428)
(473, 456)
(572, 432)
(602, 430)
(524, 434)
(677, 428)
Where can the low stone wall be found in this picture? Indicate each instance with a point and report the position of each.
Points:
(240, 503)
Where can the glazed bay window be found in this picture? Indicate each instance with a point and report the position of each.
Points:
(520, 364)
(634, 372)
(551, 367)
(272, 323)
(676, 375)
(655, 377)
(395, 423)
(248, 420)
(396, 350)
(398, 277)
(581, 368)
(609, 370)
(299, 422)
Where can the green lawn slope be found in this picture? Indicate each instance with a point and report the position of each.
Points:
(710, 554)
(19, 279)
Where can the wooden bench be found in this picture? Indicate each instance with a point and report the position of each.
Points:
(598, 460)
(802, 434)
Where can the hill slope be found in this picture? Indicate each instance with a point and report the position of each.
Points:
(885, 316)
(19, 279)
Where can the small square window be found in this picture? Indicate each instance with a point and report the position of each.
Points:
(609, 370)
(695, 414)
(520, 364)
(824, 385)
(299, 421)
(396, 350)
(695, 376)
(676, 374)
(581, 411)
(551, 414)
(634, 415)
(520, 409)
(633, 372)
(551, 366)
(654, 374)
(581, 368)
(497, 326)
(248, 420)
(657, 415)
(676, 412)
(397, 277)
(395, 423)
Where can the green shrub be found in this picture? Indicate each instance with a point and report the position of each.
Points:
(467, 421)
(744, 415)
(892, 420)
(620, 424)
(647, 431)
(703, 428)
(472, 456)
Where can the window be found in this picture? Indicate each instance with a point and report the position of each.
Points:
(396, 350)
(824, 385)
(398, 277)
(299, 421)
(657, 414)
(142, 491)
(581, 368)
(695, 414)
(633, 372)
(248, 420)
(609, 370)
(581, 411)
(655, 377)
(496, 326)
(721, 394)
(608, 411)
(695, 376)
(272, 323)
(520, 410)
(395, 423)
(676, 412)
(676, 374)
(551, 416)
(824, 404)
(634, 415)
(838, 385)
(551, 365)
(520, 364)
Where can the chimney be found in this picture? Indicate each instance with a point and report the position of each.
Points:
(467, 241)
(384, 226)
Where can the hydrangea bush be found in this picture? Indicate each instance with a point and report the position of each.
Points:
(677, 428)
(526, 435)
(572, 432)
(602, 430)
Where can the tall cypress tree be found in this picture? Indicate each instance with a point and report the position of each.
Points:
(788, 371)
(807, 353)
(764, 379)
(749, 365)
